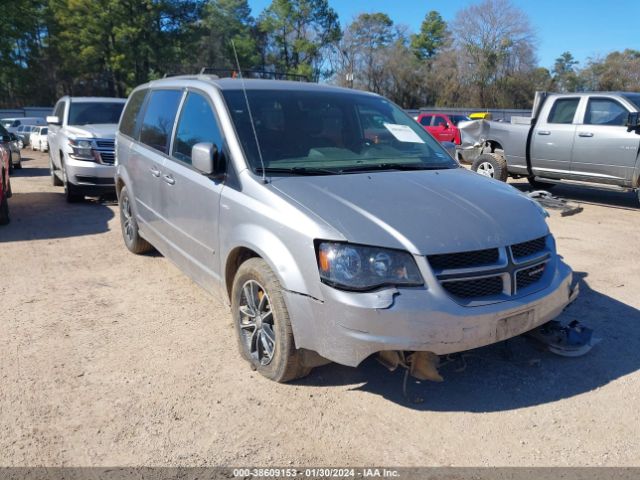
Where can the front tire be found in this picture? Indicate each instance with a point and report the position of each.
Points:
(70, 193)
(55, 180)
(129, 226)
(491, 165)
(263, 328)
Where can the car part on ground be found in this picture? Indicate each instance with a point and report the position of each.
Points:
(547, 200)
(572, 340)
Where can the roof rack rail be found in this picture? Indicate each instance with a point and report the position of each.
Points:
(261, 74)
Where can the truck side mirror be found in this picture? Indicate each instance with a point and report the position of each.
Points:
(206, 158)
(53, 120)
(633, 121)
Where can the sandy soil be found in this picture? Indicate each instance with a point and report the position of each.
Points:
(112, 359)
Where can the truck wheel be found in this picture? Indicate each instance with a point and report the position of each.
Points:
(4, 205)
(491, 165)
(132, 239)
(263, 328)
(70, 193)
(55, 180)
(540, 185)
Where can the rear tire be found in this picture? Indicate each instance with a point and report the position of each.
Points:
(540, 185)
(491, 165)
(261, 319)
(129, 226)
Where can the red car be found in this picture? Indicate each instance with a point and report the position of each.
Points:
(443, 126)
(5, 185)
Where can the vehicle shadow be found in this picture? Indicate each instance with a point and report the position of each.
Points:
(489, 380)
(30, 172)
(605, 198)
(46, 215)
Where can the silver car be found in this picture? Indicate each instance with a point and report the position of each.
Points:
(333, 225)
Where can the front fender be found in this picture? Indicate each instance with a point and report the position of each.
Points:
(291, 270)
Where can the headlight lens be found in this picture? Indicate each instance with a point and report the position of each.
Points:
(358, 267)
(82, 148)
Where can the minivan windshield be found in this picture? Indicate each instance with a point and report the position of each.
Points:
(88, 113)
(633, 98)
(324, 133)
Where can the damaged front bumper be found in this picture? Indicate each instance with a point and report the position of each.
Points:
(348, 327)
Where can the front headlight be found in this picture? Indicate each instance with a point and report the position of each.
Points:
(357, 267)
(82, 148)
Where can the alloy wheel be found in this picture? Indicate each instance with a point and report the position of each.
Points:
(486, 169)
(127, 220)
(256, 322)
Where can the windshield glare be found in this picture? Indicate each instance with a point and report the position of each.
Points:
(330, 132)
(88, 113)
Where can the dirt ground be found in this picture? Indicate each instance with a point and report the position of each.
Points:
(112, 359)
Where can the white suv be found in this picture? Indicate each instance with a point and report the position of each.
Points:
(81, 145)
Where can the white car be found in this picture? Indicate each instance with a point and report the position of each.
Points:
(39, 139)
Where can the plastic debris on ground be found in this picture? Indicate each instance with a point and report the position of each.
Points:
(547, 200)
(572, 340)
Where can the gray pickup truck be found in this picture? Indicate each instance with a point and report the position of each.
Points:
(588, 139)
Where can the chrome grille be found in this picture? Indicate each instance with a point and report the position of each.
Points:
(105, 148)
(476, 288)
(526, 249)
(108, 157)
(529, 276)
(106, 144)
(493, 274)
(474, 258)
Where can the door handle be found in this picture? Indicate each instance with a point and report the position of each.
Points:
(154, 171)
(169, 179)
(544, 132)
(585, 134)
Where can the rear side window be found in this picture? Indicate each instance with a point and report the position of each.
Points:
(563, 110)
(426, 120)
(197, 124)
(130, 115)
(159, 118)
(604, 111)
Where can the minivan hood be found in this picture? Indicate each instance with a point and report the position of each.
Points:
(103, 130)
(424, 212)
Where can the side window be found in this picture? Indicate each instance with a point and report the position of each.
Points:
(59, 111)
(605, 111)
(440, 122)
(130, 114)
(563, 110)
(197, 124)
(426, 120)
(158, 119)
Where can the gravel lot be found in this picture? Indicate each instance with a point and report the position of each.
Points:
(113, 359)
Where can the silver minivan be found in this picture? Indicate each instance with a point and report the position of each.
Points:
(333, 225)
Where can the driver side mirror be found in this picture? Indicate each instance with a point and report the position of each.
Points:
(6, 138)
(206, 158)
(633, 121)
(53, 120)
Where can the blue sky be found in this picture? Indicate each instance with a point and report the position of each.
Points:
(586, 28)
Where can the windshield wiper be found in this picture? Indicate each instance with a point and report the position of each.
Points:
(392, 166)
(298, 170)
